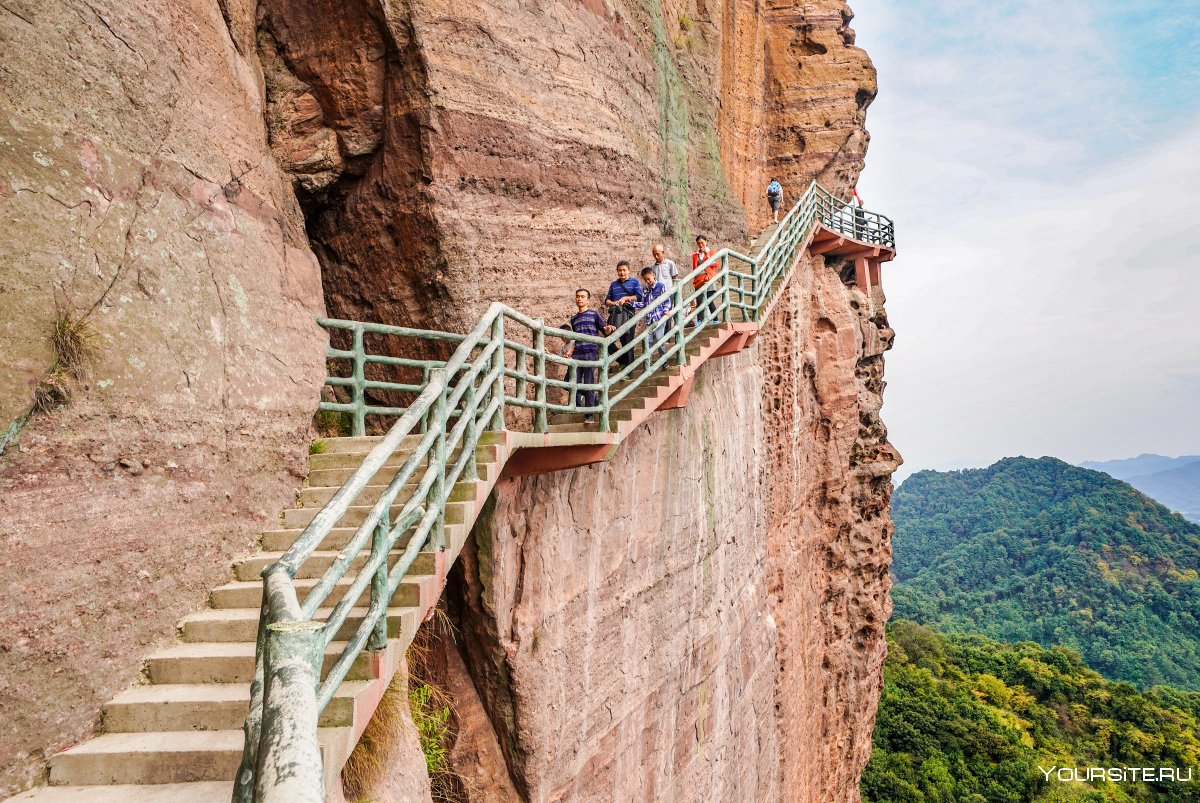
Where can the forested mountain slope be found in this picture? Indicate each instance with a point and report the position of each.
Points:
(968, 719)
(1044, 551)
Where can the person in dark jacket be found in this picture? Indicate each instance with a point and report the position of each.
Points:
(619, 301)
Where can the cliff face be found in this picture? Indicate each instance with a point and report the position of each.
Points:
(138, 192)
(452, 153)
(700, 618)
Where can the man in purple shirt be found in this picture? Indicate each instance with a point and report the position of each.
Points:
(586, 321)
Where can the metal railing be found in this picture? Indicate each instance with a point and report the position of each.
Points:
(503, 366)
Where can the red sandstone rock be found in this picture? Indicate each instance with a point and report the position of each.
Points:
(145, 194)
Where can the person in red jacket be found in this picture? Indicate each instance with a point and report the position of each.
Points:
(860, 217)
(699, 256)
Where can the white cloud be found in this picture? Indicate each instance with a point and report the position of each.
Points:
(1044, 294)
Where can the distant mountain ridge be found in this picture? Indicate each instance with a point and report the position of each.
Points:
(1172, 481)
(1141, 465)
(1044, 551)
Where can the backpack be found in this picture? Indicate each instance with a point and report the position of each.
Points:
(774, 189)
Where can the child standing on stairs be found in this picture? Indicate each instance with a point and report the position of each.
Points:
(652, 289)
(586, 321)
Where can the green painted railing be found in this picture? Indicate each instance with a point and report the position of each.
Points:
(501, 370)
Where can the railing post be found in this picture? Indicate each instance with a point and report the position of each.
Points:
(471, 436)
(359, 427)
(498, 356)
(521, 363)
(605, 357)
(424, 425)
(680, 343)
(754, 281)
(539, 364)
(289, 753)
(243, 787)
(379, 583)
(725, 294)
(437, 491)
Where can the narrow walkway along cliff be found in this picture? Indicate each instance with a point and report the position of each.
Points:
(684, 601)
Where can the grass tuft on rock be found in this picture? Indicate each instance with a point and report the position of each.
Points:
(331, 424)
(76, 342)
(76, 345)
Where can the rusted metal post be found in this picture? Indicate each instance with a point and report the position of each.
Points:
(379, 581)
(677, 318)
(243, 785)
(521, 364)
(424, 425)
(498, 356)
(605, 358)
(470, 471)
(725, 311)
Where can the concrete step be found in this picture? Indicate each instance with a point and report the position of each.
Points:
(357, 514)
(338, 537)
(208, 707)
(229, 662)
(336, 477)
(484, 453)
(317, 498)
(156, 757)
(200, 792)
(362, 445)
(248, 593)
(282, 540)
(580, 427)
(251, 568)
(622, 413)
(241, 624)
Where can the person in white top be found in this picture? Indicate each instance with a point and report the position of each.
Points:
(665, 270)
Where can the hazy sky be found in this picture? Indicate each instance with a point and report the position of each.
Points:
(1042, 162)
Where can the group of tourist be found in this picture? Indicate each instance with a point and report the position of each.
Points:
(625, 297)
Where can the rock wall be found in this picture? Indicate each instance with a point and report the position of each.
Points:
(139, 193)
(502, 150)
(616, 618)
(199, 178)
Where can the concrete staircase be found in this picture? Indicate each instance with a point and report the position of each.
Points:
(178, 736)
